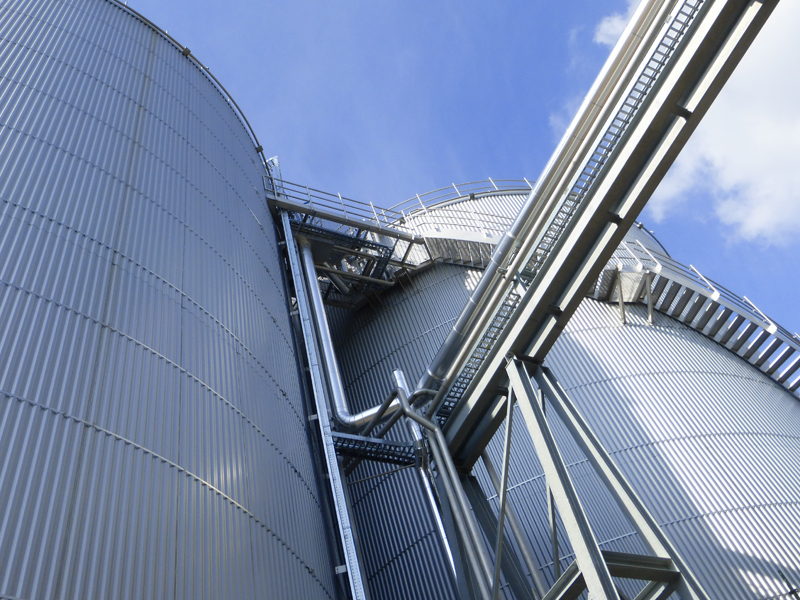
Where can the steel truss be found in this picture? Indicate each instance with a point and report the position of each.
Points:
(712, 44)
(593, 569)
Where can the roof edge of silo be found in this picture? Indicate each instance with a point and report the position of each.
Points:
(204, 69)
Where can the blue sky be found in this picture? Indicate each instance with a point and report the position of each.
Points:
(382, 99)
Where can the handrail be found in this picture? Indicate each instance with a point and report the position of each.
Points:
(669, 268)
(440, 209)
(440, 196)
(353, 209)
(545, 199)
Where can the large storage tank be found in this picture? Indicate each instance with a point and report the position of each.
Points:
(709, 441)
(152, 424)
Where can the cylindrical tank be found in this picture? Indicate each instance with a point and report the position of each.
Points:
(709, 442)
(153, 429)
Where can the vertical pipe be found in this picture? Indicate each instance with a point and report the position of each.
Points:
(473, 541)
(422, 469)
(458, 518)
(503, 489)
(341, 412)
(516, 529)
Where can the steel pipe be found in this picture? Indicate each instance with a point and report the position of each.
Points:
(340, 284)
(422, 469)
(473, 540)
(341, 412)
(460, 523)
(544, 198)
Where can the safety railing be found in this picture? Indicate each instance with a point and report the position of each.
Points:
(312, 199)
(424, 215)
(666, 266)
(438, 197)
(449, 217)
(614, 133)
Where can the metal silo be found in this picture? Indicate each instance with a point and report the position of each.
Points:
(692, 396)
(171, 391)
(152, 421)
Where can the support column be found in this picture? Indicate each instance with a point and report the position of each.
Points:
(632, 507)
(588, 557)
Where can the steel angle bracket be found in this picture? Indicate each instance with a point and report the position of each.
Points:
(626, 498)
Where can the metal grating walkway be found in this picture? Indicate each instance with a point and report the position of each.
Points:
(572, 201)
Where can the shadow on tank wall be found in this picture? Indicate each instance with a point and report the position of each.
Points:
(707, 440)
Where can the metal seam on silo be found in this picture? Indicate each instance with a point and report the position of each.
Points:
(218, 322)
(155, 456)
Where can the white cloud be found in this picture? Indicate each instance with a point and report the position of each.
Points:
(560, 119)
(746, 152)
(610, 28)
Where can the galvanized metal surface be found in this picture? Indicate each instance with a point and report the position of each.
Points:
(710, 47)
(151, 416)
(403, 555)
(708, 442)
(638, 270)
(308, 312)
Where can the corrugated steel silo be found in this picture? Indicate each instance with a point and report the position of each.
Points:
(708, 440)
(152, 420)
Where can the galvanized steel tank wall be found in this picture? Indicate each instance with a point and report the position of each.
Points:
(709, 442)
(402, 548)
(152, 422)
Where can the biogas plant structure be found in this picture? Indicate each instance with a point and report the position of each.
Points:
(215, 383)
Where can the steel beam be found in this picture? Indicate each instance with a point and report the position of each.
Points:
(686, 295)
(503, 495)
(656, 590)
(516, 529)
(587, 553)
(659, 289)
(356, 276)
(569, 586)
(732, 328)
(637, 566)
(715, 43)
(627, 499)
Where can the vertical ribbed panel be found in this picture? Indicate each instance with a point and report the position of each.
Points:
(402, 548)
(710, 443)
(151, 417)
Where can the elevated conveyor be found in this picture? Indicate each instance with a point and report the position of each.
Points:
(639, 115)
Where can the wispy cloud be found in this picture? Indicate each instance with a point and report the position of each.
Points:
(610, 27)
(746, 153)
(560, 119)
